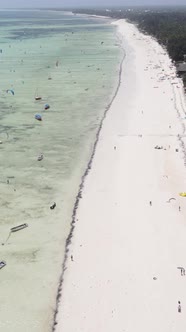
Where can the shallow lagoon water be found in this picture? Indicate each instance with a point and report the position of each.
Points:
(73, 63)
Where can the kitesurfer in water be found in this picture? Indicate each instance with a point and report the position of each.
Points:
(52, 207)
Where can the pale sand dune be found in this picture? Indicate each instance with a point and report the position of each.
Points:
(120, 242)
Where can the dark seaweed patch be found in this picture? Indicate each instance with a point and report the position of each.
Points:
(78, 197)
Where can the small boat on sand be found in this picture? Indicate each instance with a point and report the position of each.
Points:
(2, 264)
(18, 228)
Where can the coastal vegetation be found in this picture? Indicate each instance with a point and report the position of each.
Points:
(167, 25)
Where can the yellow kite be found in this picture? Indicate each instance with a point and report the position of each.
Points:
(183, 194)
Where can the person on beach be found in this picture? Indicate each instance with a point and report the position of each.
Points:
(72, 258)
(179, 208)
(182, 271)
(179, 306)
(150, 203)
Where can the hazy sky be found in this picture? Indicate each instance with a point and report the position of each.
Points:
(85, 3)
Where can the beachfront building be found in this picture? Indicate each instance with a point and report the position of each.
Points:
(181, 66)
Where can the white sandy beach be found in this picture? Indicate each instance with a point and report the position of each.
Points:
(123, 274)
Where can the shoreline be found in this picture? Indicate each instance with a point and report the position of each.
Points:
(79, 195)
(113, 283)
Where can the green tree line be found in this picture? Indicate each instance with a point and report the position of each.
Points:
(168, 26)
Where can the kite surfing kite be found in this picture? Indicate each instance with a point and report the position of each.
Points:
(183, 194)
(12, 91)
(170, 199)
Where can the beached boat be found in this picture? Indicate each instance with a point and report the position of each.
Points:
(18, 228)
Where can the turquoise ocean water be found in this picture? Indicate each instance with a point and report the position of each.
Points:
(72, 62)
